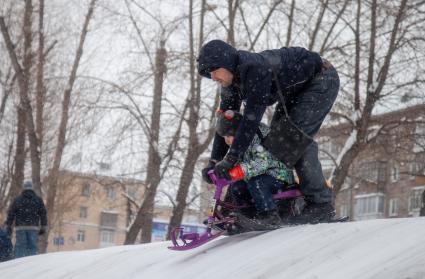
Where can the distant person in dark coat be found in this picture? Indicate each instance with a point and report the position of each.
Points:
(6, 247)
(309, 85)
(422, 212)
(28, 213)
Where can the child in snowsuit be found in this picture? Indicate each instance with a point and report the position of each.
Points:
(259, 174)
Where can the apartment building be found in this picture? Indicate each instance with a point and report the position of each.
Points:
(95, 211)
(387, 179)
(92, 211)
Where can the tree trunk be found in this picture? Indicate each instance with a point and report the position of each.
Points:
(291, 21)
(184, 186)
(196, 148)
(52, 179)
(324, 6)
(373, 94)
(39, 107)
(232, 7)
(27, 65)
(24, 76)
(20, 154)
(357, 59)
(144, 216)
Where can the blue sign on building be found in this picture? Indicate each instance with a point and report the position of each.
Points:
(159, 230)
(58, 241)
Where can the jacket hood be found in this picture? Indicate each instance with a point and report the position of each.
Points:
(217, 54)
(28, 193)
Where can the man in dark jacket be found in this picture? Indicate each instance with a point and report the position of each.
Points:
(310, 86)
(29, 215)
(422, 211)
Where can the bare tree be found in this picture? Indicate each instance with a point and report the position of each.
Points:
(145, 215)
(20, 155)
(157, 161)
(379, 70)
(40, 87)
(13, 174)
(290, 23)
(23, 74)
(195, 146)
(52, 179)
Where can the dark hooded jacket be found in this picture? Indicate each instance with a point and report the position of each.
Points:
(27, 210)
(253, 84)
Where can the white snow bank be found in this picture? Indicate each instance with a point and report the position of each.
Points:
(386, 248)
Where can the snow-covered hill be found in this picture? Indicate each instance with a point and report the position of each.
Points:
(390, 248)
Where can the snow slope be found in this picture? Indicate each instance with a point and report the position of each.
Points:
(386, 248)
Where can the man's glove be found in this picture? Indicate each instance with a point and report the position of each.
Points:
(222, 168)
(42, 231)
(9, 230)
(205, 176)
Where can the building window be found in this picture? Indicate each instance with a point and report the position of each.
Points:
(419, 164)
(395, 173)
(83, 212)
(107, 236)
(76, 158)
(110, 192)
(131, 192)
(81, 236)
(328, 151)
(374, 171)
(328, 146)
(393, 207)
(415, 200)
(104, 166)
(370, 206)
(419, 137)
(132, 217)
(343, 210)
(108, 220)
(412, 170)
(85, 191)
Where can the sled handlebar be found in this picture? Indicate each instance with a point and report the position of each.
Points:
(219, 182)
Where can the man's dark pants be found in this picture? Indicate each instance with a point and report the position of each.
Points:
(308, 109)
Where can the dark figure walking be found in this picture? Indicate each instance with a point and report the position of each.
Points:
(6, 247)
(29, 215)
(303, 85)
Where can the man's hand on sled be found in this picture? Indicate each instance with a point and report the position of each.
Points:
(42, 231)
(222, 168)
(205, 176)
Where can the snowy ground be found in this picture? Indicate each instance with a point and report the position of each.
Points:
(390, 248)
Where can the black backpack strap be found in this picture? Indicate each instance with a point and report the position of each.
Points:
(260, 135)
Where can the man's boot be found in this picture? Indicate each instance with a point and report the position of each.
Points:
(314, 213)
(262, 222)
(270, 218)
